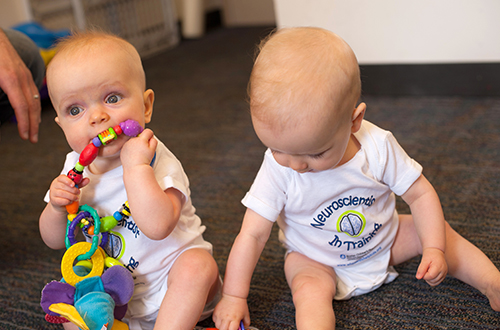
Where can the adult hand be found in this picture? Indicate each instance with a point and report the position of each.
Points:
(17, 83)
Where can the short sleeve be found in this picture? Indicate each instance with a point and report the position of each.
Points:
(169, 172)
(400, 170)
(267, 195)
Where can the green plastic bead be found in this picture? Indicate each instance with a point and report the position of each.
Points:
(79, 167)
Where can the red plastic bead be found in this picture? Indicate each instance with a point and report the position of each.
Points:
(88, 154)
(118, 130)
(75, 176)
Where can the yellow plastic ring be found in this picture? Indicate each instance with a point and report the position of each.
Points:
(69, 258)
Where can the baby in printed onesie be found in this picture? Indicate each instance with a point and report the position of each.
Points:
(97, 81)
(329, 179)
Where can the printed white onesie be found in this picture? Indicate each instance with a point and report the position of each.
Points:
(343, 217)
(148, 260)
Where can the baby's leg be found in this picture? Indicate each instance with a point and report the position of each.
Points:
(313, 287)
(469, 264)
(465, 261)
(192, 281)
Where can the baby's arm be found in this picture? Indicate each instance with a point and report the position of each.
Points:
(243, 258)
(155, 211)
(53, 219)
(430, 225)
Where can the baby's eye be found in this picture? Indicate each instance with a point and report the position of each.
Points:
(317, 155)
(113, 98)
(75, 111)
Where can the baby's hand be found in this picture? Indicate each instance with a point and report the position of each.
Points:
(139, 150)
(229, 312)
(63, 191)
(433, 267)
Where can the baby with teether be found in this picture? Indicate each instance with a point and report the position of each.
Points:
(97, 87)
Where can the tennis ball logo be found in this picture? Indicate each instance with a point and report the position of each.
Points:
(114, 248)
(351, 223)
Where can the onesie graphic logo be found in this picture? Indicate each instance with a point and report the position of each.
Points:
(132, 264)
(115, 246)
(351, 223)
(329, 210)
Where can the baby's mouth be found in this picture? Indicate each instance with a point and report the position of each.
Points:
(128, 127)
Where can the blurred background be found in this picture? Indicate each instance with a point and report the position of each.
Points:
(448, 47)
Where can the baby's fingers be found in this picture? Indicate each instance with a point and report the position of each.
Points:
(246, 320)
(84, 182)
(228, 325)
(422, 269)
(435, 276)
(433, 267)
(61, 200)
(147, 134)
(63, 183)
(63, 191)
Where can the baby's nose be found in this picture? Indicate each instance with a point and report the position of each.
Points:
(98, 116)
(298, 165)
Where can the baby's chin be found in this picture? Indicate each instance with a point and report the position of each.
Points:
(306, 171)
(106, 162)
(111, 151)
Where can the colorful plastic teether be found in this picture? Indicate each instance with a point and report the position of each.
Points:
(69, 257)
(89, 259)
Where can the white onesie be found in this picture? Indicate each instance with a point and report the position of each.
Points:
(148, 260)
(343, 217)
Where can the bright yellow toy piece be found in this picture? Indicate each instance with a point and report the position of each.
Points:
(85, 263)
(70, 313)
(47, 54)
(119, 325)
(69, 258)
(110, 262)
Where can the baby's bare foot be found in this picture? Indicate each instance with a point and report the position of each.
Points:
(493, 294)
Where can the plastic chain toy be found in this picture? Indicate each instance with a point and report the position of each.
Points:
(88, 295)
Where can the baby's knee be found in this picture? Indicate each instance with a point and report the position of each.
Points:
(194, 266)
(198, 264)
(310, 285)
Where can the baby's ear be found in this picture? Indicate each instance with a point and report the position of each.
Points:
(149, 99)
(357, 117)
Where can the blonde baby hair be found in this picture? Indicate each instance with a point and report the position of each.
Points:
(301, 72)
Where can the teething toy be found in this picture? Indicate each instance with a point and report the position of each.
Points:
(69, 257)
(129, 127)
(88, 295)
